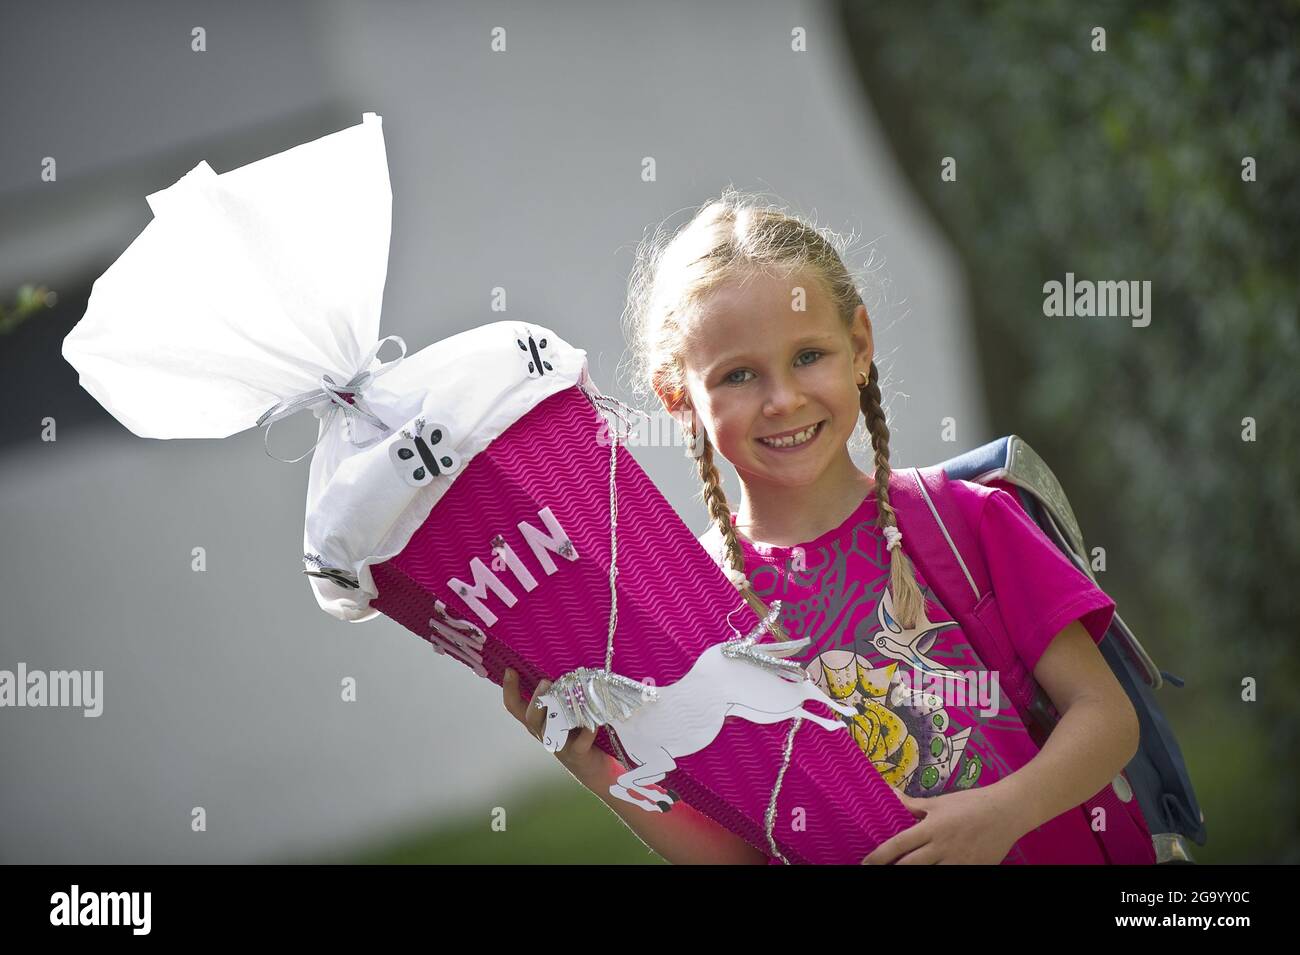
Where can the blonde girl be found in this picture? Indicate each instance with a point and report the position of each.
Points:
(749, 329)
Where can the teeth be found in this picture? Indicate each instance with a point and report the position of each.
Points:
(791, 440)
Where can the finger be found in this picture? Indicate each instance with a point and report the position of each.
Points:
(536, 714)
(889, 850)
(577, 744)
(915, 806)
(510, 694)
(891, 854)
(541, 687)
(926, 855)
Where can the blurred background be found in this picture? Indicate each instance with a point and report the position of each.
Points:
(523, 169)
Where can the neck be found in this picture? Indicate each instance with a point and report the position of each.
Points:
(783, 515)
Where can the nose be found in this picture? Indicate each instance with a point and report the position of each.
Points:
(783, 397)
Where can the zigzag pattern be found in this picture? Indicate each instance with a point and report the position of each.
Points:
(673, 602)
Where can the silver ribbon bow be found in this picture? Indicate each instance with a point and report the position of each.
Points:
(346, 397)
(624, 414)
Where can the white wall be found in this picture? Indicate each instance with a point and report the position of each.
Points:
(520, 170)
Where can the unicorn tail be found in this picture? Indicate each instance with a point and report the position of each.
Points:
(769, 655)
(784, 648)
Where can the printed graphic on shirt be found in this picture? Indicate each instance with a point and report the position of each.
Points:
(907, 733)
(926, 701)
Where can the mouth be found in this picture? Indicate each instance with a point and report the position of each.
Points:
(793, 441)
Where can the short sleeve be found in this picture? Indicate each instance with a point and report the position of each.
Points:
(1039, 590)
(711, 541)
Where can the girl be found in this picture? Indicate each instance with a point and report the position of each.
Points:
(749, 329)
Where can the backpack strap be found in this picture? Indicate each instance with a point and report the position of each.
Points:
(938, 539)
(941, 541)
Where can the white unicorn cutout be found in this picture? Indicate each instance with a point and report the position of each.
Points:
(739, 677)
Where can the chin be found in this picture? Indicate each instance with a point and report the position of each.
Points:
(791, 478)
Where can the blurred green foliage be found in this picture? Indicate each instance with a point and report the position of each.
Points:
(29, 300)
(1127, 165)
(545, 824)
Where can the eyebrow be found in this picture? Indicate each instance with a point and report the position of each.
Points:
(739, 356)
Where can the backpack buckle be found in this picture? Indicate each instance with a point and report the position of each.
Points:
(1172, 847)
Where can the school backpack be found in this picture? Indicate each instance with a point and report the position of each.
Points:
(942, 546)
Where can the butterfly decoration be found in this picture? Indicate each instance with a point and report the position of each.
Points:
(534, 353)
(421, 457)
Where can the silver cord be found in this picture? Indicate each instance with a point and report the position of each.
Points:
(622, 413)
(770, 819)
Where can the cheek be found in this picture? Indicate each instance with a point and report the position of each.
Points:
(849, 407)
(729, 419)
(839, 399)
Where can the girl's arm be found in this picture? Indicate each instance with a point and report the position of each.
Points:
(1097, 735)
(683, 836)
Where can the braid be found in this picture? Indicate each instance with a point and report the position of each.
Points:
(715, 499)
(907, 597)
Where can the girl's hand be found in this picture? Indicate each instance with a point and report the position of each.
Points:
(968, 827)
(586, 762)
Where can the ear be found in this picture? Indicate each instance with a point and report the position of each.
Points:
(676, 402)
(863, 343)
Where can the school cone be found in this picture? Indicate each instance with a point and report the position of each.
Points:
(462, 490)
(544, 614)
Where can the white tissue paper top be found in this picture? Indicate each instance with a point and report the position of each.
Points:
(265, 284)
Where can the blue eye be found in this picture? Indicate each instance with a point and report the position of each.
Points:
(730, 380)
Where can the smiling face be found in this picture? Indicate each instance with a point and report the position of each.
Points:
(758, 368)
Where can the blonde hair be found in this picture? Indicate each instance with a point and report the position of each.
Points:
(733, 237)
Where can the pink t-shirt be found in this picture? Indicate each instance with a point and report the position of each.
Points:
(932, 719)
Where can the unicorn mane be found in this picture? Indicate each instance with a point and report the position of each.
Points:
(592, 698)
